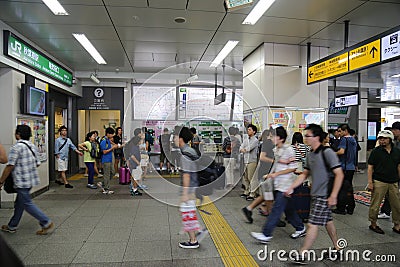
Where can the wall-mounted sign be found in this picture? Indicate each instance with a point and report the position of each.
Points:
(237, 4)
(101, 98)
(365, 55)
(391, 46)
(18, 49)
(328, 68)
(346, 100)
(377, 50)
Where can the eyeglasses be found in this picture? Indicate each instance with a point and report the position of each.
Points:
(306, 135)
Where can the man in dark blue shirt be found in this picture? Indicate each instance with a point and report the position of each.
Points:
(347, 151)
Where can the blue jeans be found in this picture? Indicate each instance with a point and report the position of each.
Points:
(90, 167)
(24, 202)
(282, 204)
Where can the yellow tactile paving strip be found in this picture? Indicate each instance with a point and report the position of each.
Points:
(229, 246)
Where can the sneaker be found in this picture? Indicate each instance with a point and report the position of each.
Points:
(105, 192)
(189, 245)
(117, 175)
(247, 213)
(91, 186)
(262, 212)
(137, 193)
(261, 237)
(249, 198)
(244, 195)
(5, 228)
(100, 175)
(46, 230)
(200, 235)
(383, 216)
(110, 192)
(58, 182)
(68, 186)
(86, 175)
(298, 234)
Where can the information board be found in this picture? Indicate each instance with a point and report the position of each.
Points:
(154, 103)
(346, 100)
(391, 46)
(365, 55)
(331, 67)
(17, 49)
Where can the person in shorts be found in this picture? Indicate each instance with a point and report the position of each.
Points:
(321, 199)
(134, 165)
(61, 151)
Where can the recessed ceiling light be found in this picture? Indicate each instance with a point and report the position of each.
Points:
(180, 20)
(55, 7)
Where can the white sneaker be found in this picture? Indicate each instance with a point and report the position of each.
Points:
(99, 175)
(117, 175)
(383, 216)
(261, 237)
(109, 192)
(298, 234)
(86, 175)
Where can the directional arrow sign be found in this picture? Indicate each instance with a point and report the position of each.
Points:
(328, 68)
(365, 55)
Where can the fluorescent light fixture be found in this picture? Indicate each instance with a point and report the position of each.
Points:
(84, 41)
(256, 13)
(55, 7)
(395, 76)
(223, 53)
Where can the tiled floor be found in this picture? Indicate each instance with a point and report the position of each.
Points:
(93, 229)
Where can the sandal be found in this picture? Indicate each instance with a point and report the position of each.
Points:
(396, 231)
(377, 229)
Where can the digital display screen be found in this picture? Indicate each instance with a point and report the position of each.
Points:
(35, 103)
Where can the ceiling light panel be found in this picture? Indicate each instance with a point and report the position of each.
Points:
(55, 7)
(229, 46)
(84, 41)
(256, 13)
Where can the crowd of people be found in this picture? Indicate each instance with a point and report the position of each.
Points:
(272, 166)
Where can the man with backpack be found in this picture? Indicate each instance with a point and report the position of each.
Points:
(61, 151)
(322, 196)
(107, 147)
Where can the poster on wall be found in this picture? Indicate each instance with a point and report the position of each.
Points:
(39, 138)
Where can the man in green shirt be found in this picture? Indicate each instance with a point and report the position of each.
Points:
(383, 177)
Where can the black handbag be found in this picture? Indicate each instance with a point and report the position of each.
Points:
(9, 184)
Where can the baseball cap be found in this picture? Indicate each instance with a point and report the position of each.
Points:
(386, 134)
(396, 125)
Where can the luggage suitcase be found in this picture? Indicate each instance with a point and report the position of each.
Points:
(124, 175)
(301, 199)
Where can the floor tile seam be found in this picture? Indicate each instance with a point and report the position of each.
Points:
(212, 207)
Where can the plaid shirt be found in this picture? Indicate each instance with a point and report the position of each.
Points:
(25, 171)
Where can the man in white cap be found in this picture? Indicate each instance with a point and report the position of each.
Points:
(383, 178)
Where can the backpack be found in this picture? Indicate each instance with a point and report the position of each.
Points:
(100, 153)
(93, 150)
(331, 175)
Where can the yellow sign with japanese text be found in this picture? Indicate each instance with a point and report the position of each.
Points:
(328, 68)
(365, 55)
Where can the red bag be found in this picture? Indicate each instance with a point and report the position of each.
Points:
(189, 216)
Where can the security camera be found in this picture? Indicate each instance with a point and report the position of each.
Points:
(94, 78)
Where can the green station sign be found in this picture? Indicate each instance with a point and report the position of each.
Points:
(19, 50)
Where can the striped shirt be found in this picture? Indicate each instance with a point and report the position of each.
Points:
(25, 171)
(301, 151)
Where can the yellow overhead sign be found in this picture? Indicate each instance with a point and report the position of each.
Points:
(365, 55)
(328, 68)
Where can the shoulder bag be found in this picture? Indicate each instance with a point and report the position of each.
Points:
(9, 182)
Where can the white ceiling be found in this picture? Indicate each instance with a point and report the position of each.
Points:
(140, 36)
